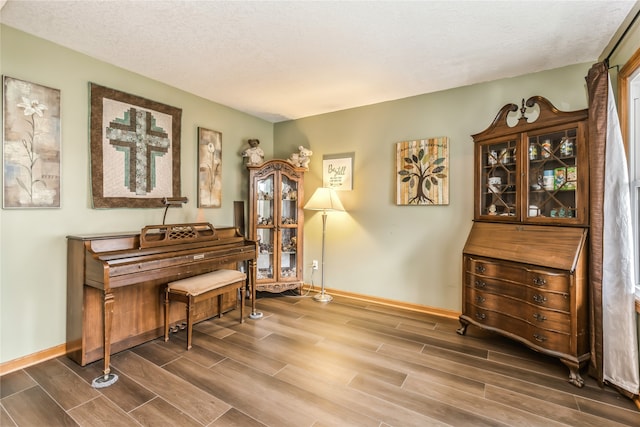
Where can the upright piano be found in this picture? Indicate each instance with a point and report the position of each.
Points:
(115, 283)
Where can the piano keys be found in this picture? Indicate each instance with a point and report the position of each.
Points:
(115, 283)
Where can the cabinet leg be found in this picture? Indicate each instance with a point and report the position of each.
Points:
(463, 327)
(574, 373)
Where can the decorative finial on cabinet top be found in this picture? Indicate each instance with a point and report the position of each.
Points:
(523, 110)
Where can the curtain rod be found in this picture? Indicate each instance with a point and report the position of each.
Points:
(606, 60)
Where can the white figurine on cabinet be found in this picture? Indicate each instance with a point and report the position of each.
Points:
(302, 158)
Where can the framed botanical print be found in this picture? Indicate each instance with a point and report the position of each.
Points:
(31, 145)
(209, 168)
(422, 172)
(135, 150)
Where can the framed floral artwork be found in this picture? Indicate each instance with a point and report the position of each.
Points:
(135, 150)
(422, 172)
(209, 168)
(31, 145)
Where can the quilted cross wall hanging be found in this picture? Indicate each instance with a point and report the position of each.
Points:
(135, 150)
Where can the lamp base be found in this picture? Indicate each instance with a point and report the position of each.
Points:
(322, 297)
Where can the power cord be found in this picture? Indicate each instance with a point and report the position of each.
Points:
(306, 294)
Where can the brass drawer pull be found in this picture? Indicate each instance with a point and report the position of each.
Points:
(539, 317)
(480, 268)
(480, 284)
(540, 299)
(539, 281)
(481, 316)
(539, 338)
(480, 299)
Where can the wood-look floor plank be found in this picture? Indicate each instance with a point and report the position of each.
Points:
(5, 419)
(236, 352)
(252, 392)
(295, 333)
(379, 409)
(34, 407)
(364, 362)
(67, 388)
(158, 354)
(444, 412)
(235, 418)
(415, 364)
(476, 404)
(535, 362)
(184, 396)
(472, 373)
(624, 412)
(159, 412)
(320, 409)
(290, 352)
(420, 338)
(100, 412)
(15, 382)
(546, 409)
(178, 345)
(125, 393)
(485, 366)
(339, 333)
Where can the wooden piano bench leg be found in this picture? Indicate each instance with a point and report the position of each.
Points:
(190, 309)
(166, 313)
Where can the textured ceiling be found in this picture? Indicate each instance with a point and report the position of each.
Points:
(283, 60)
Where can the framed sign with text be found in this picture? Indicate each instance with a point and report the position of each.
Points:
(337, 171)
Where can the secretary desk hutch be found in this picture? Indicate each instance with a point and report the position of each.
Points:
(525, 259)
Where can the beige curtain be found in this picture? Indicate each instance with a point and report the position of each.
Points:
(614, 351)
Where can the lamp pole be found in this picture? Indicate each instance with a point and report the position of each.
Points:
(322, 297)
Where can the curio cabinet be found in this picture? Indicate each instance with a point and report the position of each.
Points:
(276, 222)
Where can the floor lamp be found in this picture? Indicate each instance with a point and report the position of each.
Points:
(324, 199)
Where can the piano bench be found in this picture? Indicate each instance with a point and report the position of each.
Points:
(200, 288)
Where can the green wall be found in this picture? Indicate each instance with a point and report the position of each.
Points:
(408, 253)
(33, 243)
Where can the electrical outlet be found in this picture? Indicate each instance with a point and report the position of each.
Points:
(314, 264)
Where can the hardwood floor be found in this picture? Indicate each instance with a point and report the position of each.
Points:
(346, 363)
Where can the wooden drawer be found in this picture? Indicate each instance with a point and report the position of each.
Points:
(486, 268)
(520, 329)
(529, 313)
(535, 296)
(548, 280)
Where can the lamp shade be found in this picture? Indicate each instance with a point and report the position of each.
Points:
(324, 199)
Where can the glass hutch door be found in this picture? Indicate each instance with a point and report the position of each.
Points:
(289, 228)
(552, 191)
(265, 226)
(499, 180)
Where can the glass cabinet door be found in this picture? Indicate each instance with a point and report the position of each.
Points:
(289, 228)
(552, 176)
(265, 226)
(498, 180)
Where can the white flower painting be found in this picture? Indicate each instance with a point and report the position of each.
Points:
(210, 168)
(31, 145)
